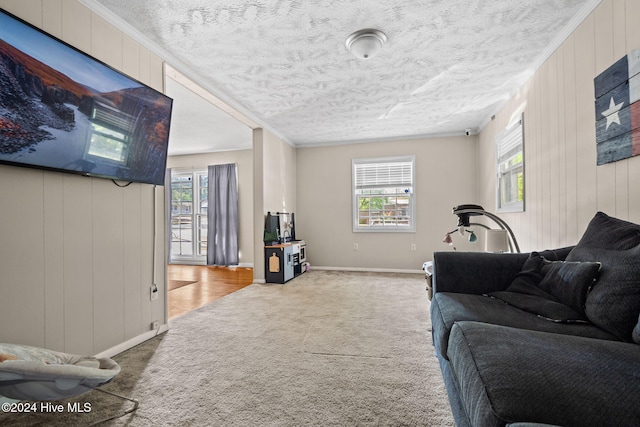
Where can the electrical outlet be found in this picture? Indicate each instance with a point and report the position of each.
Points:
(356, 247)
(155, 325)
(154, 292)
(413, 247)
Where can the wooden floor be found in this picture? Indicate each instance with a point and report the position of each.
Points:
(209, 284)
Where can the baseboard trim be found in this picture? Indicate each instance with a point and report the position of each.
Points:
(369, 270)
(132, 342)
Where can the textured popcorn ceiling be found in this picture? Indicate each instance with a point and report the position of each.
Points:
(447, 66)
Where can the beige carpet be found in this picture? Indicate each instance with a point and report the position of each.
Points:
(326, 349)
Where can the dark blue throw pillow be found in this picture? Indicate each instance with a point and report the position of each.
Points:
(554, 290)
(614, 302)
(530, 276)
(570, 282)
(606, 232)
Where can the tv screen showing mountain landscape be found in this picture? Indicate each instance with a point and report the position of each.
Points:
(63, 110)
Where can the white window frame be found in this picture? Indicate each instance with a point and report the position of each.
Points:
(510, 146)
(390, 179)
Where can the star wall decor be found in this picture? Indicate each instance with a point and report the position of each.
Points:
(612, 113)
(617, 92)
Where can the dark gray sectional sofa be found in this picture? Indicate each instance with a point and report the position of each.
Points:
(548, 338)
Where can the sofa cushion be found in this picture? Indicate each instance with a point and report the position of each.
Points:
(614, 302)
(530, 425)
(448, 308)
(507, 375)
(541, 306)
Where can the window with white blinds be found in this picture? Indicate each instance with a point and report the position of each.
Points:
(510, 169)
(383, 194)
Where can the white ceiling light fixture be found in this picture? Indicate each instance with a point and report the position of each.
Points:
(366, 43)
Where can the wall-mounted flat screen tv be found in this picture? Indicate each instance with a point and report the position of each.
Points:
(63, 110)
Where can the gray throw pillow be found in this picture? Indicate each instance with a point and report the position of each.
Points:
(614, 302)
(554, 290)
(606, 232)
(570, 282)
(530, 276)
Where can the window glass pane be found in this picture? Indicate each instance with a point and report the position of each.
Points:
(510, 169)
(204, 193)
(383, 194)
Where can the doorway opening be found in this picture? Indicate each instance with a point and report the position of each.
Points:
(189, 203)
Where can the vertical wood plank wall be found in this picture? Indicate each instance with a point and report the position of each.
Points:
(564, 187)
(77, 253)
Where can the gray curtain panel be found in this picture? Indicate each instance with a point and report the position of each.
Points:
(222, 233)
